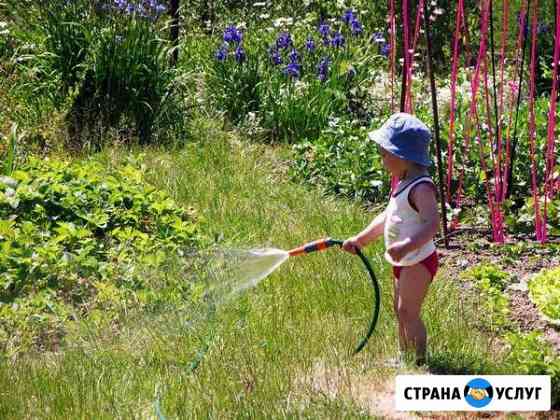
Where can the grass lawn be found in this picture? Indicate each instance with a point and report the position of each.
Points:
(283, 348)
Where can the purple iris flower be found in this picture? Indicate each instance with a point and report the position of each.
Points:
(284, 40)
(294, 56)
(232, 34)
(378, 38)
(323, 69)
(275, 56)
(348, 16)
(121, 4)
(338, 40)
(141, 10)
(310, 44)
(356, 27)
(293, 70)
(324, 30)
(385, 49)
(222, 53)
(240, 55)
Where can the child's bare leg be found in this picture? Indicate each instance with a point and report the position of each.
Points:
(413, 285)
(402, 337)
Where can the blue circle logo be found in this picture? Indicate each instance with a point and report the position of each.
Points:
(478, 393)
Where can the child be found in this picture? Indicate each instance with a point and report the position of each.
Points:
(409, 224)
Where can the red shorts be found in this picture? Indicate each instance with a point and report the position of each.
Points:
(430, 262)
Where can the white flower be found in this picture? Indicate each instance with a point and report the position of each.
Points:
(265, 16)
(438, 11)
(282, 22)
(333, 122)
(259, 4)
(4, 28)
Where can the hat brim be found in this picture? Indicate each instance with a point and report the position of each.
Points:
(382, 138)
(379, 136)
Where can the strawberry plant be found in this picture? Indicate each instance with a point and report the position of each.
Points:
(76, 238)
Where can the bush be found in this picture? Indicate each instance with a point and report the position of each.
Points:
(344, 162)
(75, 238)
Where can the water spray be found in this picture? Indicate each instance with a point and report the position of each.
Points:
(321, 245)
(233, 272)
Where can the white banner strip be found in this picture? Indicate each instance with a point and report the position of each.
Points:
(472, 393)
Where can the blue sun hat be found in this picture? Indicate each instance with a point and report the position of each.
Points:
(405, 136)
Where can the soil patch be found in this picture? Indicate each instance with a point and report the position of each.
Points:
(521, 257)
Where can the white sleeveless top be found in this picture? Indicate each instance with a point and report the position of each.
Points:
(402, 221)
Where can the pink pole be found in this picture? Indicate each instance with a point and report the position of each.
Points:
(475, 83)
(406, 52)
(505, 32)
(514, 92)
(454, 71)
(532, 123)
(393, 46)
(419, 13)
(550, 158)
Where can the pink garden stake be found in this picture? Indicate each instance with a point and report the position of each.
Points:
(532, 123)
(549, 189)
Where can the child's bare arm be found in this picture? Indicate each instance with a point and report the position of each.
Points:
(369, 234)
(423, 197)
(425, 200)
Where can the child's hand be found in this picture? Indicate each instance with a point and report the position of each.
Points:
(399, 249)
(350, 245)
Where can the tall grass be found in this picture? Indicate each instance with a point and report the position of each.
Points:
(282, 350)
(104, 64)
(11, 148)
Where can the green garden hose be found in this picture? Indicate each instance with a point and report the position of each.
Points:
(323, 244)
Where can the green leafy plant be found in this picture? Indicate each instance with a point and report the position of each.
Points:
(488, 276)
(79, 238)
(531, 354)
(544, 291)
(491, 281)
(344, 162)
